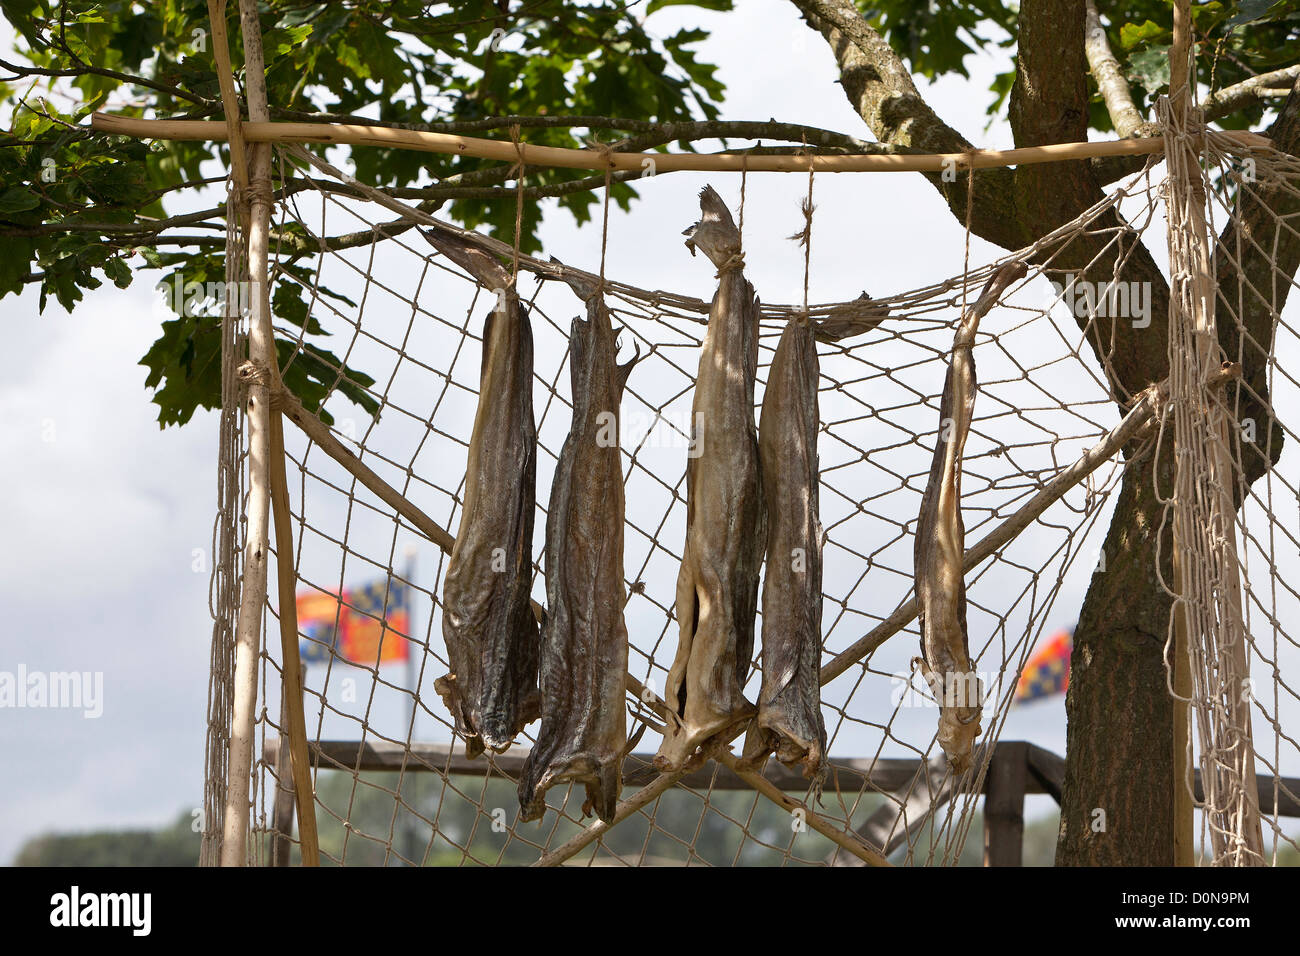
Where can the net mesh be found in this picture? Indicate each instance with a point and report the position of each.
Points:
(392, 785)
(1212, 467)
(227, 551)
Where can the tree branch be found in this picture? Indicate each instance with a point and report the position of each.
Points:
(1240, 95)
(662, 133)
(1110, 78)
(145, 227)
(881, 89)
(87, 70)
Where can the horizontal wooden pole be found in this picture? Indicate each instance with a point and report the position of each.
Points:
(553, 156)
(883, 774)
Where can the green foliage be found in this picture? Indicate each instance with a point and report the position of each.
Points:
(935, 38)
(177, 845)
(1150, 67)
(1235, 41)
(77, 209)
(1248, 11)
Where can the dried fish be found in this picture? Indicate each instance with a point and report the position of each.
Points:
(717, 585)
(940, 545)
(488, 623)
(789, 718)
(584, 640)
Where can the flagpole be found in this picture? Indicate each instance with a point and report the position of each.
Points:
(412, 842)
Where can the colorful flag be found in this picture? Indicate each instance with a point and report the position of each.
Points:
(318, 616)
(1048, 670)
(368, 626)
(377, 623)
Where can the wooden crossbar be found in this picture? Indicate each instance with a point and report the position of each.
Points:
(599, 160)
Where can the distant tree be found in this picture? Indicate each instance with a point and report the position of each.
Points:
(177, 845)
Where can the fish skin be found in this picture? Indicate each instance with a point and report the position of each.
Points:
(717, 584)
(789, 718)
(939, 549)
(492, 636)
(583, 736)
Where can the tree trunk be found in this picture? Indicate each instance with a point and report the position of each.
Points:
(1117, 804)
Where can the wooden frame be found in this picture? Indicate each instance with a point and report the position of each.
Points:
(1011, 767)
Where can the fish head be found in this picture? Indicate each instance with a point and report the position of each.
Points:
(715, 234)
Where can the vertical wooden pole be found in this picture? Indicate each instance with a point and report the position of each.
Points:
(1180, 50)
(295, 724)
(285, 797)
(256, 375)
(226, 81)
(267, 485)
(1004, 805)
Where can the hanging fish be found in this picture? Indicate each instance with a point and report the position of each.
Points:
(584, 640)
(717, 585)
(789, 706)
(488, 622)
(940, 545)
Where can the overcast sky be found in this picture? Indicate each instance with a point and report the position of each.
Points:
(110, 518)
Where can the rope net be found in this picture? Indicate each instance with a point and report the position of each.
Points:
(227, 549)
(392, 783)
(1214, 467)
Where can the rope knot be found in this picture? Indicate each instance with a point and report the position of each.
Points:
(733, 263)
(605, 152)
(259, 189)
(253, 373)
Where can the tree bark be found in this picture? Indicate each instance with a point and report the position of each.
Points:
(1117, 804)
(1250, 252)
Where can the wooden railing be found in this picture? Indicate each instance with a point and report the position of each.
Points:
(1016, 769)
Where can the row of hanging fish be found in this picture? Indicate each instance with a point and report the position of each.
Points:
(749, 492)
(504, 672)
